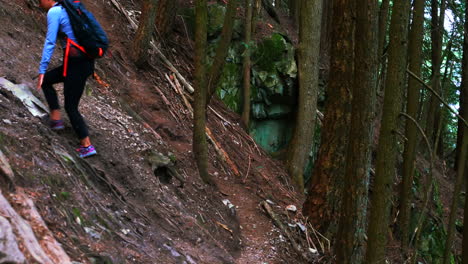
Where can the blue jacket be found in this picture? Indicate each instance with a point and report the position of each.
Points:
(57, 21)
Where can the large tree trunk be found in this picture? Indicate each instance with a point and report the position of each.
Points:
(200, 146)
(219, 60)
(462, 159)
(166, 13)
(144, 33)
(349, 247)
(308, 54)
(322, 204)
(387, 150)
(412, 106)
(247, 65)
(437, 27)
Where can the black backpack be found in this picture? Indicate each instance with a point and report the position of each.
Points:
(91, 38)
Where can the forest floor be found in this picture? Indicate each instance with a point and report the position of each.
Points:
(116, 206)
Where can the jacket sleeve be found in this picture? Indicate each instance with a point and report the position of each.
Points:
(53, 24)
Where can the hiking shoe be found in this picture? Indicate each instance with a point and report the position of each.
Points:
(86, 151)
(56, 124)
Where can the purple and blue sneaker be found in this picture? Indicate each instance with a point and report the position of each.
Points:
(88, 151)
(56, 124)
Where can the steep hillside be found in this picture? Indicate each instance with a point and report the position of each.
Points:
(140, 200)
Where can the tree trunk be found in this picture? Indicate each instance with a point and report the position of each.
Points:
(294, 11)
(246, 65)
(166, 13)
(322, 204)
(387, 149)
(441, 120)
(325, 39)
(462, 158)
(456, 192)
(349, 247)
(219, 60)
(412, 106)
(465, 225)
(463, 95)
(144, 33)
(257, 7)
(437, 30)
(308, 54)
(383, 21)
(383, 25)
(200, 146)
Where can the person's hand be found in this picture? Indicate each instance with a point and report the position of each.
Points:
(40, 79)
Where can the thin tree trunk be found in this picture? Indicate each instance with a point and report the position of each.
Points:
(166, 12)
(200, 146)
(351, 231)
(324, 198)
(294, 11)
(412, 106)
(436, 37)
(246, 65)
(219, 60)
(144, 33)
(383, 21)
(463, 94)
(387, 150)
(441, 124)
(462, 156)
(456, 193)
(257, 7)
(308, 54)
(325, 39)
(465, 224)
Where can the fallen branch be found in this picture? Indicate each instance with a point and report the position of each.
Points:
(224, 156)
(248, 170)
(438, 96)
(280, 225)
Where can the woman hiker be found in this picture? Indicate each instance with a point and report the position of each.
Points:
(76, 69)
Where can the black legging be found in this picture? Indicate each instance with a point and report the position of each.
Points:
(79, 69)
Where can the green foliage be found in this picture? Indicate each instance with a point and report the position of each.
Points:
(432, 243)
(269, 52)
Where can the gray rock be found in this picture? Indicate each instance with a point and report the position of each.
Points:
(9, 251)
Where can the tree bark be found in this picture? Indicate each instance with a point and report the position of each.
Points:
(463, 93)
(144, 33)
(294, 11)
(462, 159)
(349, 247)
(219, 60)
(308, 54)
(383, 21)
(465, 225)
(322, 204)
(412, 106)
(387, 149)
(247, 65)
(456, 193)
(437, 29)
(166, 13)
(200, 146)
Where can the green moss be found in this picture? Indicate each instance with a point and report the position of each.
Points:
(269, 52)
